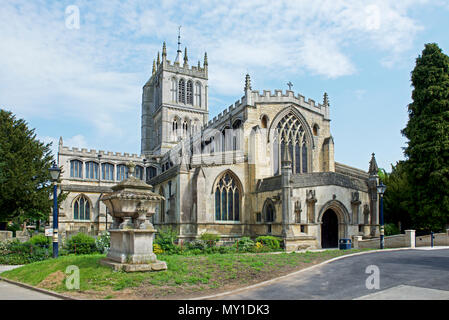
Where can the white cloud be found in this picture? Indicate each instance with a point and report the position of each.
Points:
(94, 75)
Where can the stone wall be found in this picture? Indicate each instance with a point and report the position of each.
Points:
(404, 241)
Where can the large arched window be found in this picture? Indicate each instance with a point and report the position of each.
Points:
(91, 170)
(76, 169)
(227, 199)
(189, 92)
(198, 94)
(107, 171)
(81, 209)
(173, 89)
(182, 91)
(290, 134)
(175, 129)
(122, 172)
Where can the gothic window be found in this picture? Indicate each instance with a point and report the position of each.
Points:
(182, 91)
(139, 172)
(122, 172)
(269, 211)
(151, 172)
(76, 169)
(198, 94)
(185, 128)
(290, 134)
(81, 209)
(227, 199)
(173, 90)
(91, 170)
(175, 129)
(190, 92)
(107, 171)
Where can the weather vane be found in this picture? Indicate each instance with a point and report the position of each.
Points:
(290, 85)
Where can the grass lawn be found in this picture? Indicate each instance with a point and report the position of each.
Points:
(186, 277)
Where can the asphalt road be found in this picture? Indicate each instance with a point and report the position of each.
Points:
(405, 274)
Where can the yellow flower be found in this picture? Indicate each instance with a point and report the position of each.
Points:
(157, 249)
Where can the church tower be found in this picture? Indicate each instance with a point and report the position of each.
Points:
(174, 102)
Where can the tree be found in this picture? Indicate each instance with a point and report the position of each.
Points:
(397, 197)
(427, 151)
(25, 191)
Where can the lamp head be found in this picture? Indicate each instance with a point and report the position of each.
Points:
(381, 188)
(54, 172)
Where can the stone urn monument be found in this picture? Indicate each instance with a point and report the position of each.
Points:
(131, 204)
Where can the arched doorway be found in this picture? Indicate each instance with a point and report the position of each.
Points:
(329, 229)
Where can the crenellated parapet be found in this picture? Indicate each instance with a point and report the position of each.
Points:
(92, 153)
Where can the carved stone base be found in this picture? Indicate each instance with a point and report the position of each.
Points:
(132, 250)
(128, 267)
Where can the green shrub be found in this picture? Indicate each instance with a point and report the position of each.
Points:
(81, 244)
(14, 252)
(103, 242)
(196, 244)
(166, 238)
(210, 239)
(245, 244)
(391, 229)
(40, 240)
(269, 241)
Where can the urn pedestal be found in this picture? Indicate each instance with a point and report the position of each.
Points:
(131, 205)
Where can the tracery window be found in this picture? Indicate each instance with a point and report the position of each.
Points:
(76, 169)
(190, 92)
(227, 199)
(182, 91)
(290, 134)
(91, 170)
(81, 209)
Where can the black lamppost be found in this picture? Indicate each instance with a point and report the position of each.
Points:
(54, 173)
(381, 190)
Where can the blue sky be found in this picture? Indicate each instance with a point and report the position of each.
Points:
(85, 84)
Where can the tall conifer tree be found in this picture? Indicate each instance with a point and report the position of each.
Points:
(427, 130)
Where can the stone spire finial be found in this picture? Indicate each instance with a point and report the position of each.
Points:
(373, 168)
(286, 160)
(247, 82)
(158, 60)
(325, 99)
(186, 59)
(154, 67)
(164, 51)
(199, 65)
(205, 59)
(60, 142)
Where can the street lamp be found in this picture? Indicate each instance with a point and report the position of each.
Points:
(381, 190)
(54, 173)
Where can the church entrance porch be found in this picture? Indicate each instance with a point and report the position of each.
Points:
(329, 230)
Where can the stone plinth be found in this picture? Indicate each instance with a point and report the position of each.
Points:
(131, 205)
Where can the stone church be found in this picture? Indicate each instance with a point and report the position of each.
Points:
(263, 166)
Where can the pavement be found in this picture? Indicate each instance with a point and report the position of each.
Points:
(412, 274)
(9, 291)
(417, 274)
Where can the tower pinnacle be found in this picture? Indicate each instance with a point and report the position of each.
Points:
(178, 53)
(325, 99)
(164, 51)
(247, 82)
(186, 59)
